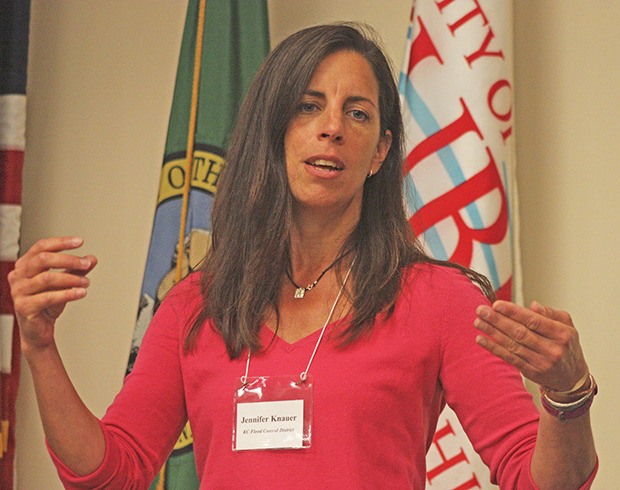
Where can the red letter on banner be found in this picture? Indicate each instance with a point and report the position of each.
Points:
(507, 115)
(483, 50)
(450, 204)
(477, 11)
(453, 131)
(422, 47)
(446, 463)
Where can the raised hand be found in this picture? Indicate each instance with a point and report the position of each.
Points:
(44, 280)
(541, 342)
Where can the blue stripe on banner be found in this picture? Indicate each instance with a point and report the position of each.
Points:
(432, 240)
(429, 126)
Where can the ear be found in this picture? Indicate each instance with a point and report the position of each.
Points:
(383, 147)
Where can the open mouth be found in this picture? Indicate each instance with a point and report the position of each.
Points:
(326, 165)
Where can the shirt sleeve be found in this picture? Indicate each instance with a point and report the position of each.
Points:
(487, 394)
(145, 419)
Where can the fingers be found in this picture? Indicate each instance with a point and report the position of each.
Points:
(47, 303)
(541, 320)
(45, 266)
(49, 281)
(47, 254)
(56, 244)
(510, 340)
(46, 276)
(557, 315)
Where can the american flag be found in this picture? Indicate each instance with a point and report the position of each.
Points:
(14, 20)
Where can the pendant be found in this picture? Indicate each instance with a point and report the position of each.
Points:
(299, 293)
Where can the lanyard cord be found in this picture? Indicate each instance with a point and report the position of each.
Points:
(304, 374)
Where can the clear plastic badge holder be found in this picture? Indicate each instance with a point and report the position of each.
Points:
(272, 412)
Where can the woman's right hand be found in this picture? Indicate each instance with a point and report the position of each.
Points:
(43, 281)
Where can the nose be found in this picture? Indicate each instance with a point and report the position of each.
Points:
(331, 125)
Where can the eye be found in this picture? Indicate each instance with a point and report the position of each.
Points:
(359, 115)
(307, 107)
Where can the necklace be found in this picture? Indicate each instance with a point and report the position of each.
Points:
(304, 374)
(301, 291)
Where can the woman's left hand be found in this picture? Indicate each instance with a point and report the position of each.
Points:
(541, 342)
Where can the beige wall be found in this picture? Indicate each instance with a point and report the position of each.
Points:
(100, 86)
(567, 74)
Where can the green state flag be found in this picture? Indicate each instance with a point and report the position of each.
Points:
(235, 39)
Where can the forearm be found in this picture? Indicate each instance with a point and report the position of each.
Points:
(564, 456)
(72, 431)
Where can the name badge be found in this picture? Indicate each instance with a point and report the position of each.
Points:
(272, 412)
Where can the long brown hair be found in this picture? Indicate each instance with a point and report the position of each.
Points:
(252, 211)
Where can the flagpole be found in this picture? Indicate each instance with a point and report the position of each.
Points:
(191, 136)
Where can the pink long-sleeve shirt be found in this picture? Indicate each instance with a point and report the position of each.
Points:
(376, 401)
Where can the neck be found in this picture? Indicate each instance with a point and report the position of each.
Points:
(316, 241)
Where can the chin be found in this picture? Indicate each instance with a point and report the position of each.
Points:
(329, 205)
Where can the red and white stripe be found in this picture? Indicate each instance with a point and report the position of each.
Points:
(12, 143)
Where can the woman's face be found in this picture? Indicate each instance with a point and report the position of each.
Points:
(333, 141)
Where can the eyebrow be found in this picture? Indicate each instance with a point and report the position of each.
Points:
(352, 98)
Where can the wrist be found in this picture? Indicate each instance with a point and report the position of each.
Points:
(581, 388)
(33, 352)
(576, 387)
(569, 404)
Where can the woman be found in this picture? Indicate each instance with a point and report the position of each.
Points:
(317, 303)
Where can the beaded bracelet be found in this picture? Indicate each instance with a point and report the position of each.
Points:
(570, 410)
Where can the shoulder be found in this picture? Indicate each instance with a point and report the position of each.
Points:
(184, 296)
(188, 286)
(444, 301)
(424, 278)
(440, 293)
(436, 305)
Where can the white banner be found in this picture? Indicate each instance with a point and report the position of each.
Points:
(457, 100)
